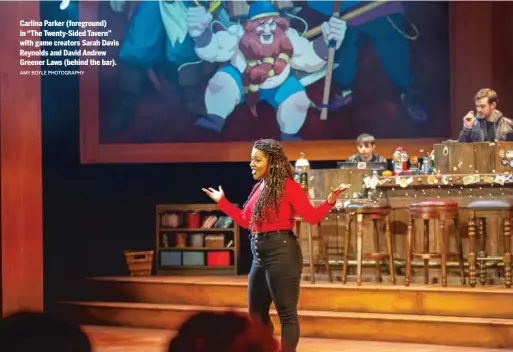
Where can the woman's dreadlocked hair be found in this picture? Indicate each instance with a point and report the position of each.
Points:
(279, 169)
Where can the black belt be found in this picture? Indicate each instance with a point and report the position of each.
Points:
(271, 233)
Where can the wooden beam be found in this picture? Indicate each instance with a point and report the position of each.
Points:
(20, 161)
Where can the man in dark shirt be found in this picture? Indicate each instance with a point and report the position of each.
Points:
(366, 145)
(489, 125)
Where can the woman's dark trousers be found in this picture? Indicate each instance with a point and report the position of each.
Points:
(275, 277)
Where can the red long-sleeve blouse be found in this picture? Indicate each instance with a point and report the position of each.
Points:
(294, 202)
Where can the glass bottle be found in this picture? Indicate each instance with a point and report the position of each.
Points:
(302, 167)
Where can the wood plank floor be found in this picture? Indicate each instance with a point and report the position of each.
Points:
(242, 280)
(114, 339)
(420, 314)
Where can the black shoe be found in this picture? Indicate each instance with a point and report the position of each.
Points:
(211, 122)
(122, 118)
(289, 137)
(412, 104)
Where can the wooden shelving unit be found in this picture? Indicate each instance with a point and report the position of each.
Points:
(195, 239)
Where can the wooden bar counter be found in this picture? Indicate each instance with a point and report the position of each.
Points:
(399, 192)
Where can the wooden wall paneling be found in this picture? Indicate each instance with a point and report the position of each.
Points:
(481, 55)
(20, 161)
(502, 54)
(471, 56)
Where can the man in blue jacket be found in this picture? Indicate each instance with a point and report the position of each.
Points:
(489, 125)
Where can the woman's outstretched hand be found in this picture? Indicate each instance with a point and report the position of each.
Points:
(332, 198)
(214, 194)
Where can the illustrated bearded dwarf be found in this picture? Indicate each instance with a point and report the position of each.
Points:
(261, 55)
(267, 50)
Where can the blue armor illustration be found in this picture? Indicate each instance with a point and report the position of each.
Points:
(384, 26)
(157, 40)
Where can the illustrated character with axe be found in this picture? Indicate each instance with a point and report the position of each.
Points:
(261, 54)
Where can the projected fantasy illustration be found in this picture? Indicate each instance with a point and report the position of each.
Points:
(207, 71)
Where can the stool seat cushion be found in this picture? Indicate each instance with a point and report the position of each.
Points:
(372, 205)
(435, 203)
(499, 203)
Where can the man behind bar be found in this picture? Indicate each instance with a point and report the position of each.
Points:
(489, 125)
(365, 143)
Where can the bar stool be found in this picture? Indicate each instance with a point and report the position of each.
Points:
(322, 246)
(362, 212)
(441, 210)
(481, 211)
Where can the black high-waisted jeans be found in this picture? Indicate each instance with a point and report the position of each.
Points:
(274, 277)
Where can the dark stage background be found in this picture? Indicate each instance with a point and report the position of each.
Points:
(162, 115)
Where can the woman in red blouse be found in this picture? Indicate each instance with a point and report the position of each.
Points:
(269, 214)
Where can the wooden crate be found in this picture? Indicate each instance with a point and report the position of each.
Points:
(468, 158)
(485, 155)
(139, 263)
(454, 158)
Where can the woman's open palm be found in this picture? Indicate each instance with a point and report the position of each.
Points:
(214, 194)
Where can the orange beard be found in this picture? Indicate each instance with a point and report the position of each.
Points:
(253, 49)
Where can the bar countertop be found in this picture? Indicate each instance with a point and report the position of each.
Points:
(439, 181)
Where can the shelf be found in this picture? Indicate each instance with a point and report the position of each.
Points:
(195, 249)
(191, 251)
(167, 229)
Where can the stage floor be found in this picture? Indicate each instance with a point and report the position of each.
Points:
(113, 339)
(242, 280)
(456, 315)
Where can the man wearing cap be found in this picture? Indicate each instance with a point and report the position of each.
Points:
(261, 54)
